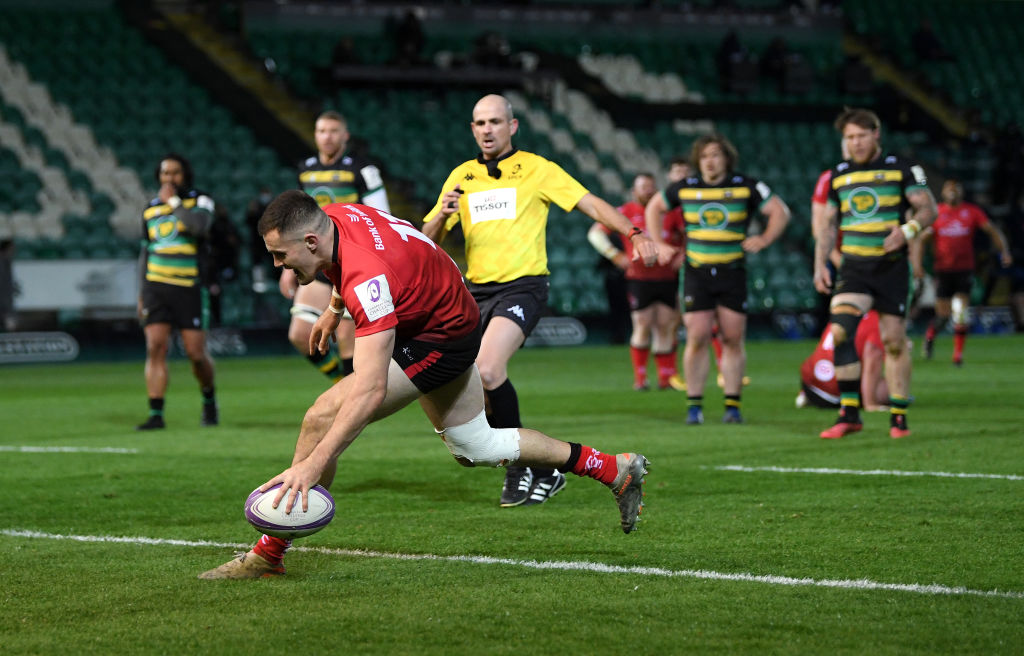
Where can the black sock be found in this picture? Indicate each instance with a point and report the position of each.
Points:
(346, 366)
(156, 407)
(209, 395)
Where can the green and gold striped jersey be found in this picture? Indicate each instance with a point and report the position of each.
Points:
(348, 180)
(717, 216)
(872, 200)
(172, 251)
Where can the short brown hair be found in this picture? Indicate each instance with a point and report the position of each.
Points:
(862, 118)
(334, 116)
(732, 156)
(290, 212)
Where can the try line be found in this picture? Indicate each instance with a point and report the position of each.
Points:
(577, 566)
(66, 449)
(866, 472)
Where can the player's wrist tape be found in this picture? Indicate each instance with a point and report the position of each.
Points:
(635, 231)
(330, 306)
(910, 229)
(335, 294)
(174, 202)
(610, 253)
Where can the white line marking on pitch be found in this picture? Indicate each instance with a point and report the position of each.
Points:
(66, 449)
(580, 566)
(866, 472)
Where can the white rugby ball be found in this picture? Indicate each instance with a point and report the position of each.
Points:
(260, 512)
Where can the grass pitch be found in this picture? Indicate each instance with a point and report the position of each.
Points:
(759, 538)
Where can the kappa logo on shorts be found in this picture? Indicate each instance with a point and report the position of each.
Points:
(375, 297)
(518, 311)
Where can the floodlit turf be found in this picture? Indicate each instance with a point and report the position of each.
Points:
(848, 563)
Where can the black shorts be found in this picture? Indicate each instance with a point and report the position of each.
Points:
(886, 280)
(643, 293)
(950, 283)
(430, 365)
(523, 300)
(818, 398)
(706, 287)
(185, 308)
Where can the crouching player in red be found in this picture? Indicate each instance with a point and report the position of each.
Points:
(818, 385)
(417, 336)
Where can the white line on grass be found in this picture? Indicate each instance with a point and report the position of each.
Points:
(66, 449)
(579, 566)
(866, 472)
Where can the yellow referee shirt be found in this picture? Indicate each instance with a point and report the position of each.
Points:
(504, 219)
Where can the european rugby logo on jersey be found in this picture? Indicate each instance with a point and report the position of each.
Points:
(375, 297)
(492, 205)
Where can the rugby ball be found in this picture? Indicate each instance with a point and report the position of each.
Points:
(260, 512)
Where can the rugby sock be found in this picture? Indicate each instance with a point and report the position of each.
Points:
(666, 363)
(694, 401)
(504, 404)
(156, 407)
(586, 461)
(929, 334)
(898, 411)
(716, 345)
(849, 401)
(639, 357)
(209, 395)
(346, 366)
(272, 549)
(959, 337)
(732, 401)
(328, 363)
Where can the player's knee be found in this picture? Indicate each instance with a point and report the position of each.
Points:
(491, 375)
(843, 323)
(476, 443)
(894, 346)
(959, 311)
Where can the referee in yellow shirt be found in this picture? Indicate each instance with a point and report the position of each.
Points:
(501, 198)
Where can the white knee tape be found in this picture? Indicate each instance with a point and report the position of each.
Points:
(476, 443)
(306, 313)
(310, 314)
(959, 311)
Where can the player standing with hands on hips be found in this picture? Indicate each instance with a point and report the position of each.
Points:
(501, 198)
(870, 194)
(418, 331)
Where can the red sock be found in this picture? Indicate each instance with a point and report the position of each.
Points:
(959, 337)
(272, 549)
(666, 363)
(639, 357)
(930, 333)
(596, 465)
(716, 344)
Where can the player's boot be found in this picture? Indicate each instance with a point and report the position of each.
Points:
(628, 488)
(516, 490)
(210, 417)
(898, 426)
(249, 565)
(676, 382)
(155, 422)
(694, 415)
(732, 416)
(545, 487)
(848, 422)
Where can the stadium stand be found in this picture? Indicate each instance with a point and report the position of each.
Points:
(599, 87)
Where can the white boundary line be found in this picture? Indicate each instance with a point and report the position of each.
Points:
(866, 472)
(579, 566)
(66, 449)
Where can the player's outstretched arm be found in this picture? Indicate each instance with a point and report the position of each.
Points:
(601, 211)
